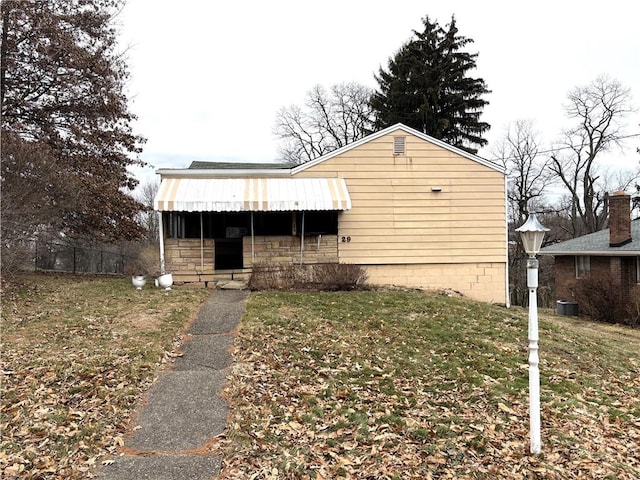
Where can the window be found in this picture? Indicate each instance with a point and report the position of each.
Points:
(318, 223)
(583, 266)
(235, 225)
(398, 145)
(207, 224)
(175, 225)
(272, 223)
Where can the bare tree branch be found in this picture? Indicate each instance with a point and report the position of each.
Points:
(599, 110)
(329, 121)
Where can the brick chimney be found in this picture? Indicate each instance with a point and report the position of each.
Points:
(619, 219)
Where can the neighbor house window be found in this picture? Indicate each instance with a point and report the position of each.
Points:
(583, 266)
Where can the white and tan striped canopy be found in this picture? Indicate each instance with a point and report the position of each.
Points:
(251, 194)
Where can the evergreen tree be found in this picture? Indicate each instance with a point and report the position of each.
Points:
(426, 87)
(66, 127)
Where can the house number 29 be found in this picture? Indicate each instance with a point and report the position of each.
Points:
(346, 239)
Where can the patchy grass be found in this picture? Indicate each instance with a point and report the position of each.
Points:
(76, 354)
(390, 385)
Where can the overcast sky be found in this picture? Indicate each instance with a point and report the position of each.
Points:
(208, 77)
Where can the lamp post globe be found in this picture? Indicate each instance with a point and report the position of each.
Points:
(532, 233)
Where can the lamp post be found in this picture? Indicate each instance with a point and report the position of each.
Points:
(532, 233)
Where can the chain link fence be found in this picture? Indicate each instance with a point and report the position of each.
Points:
(58, 257)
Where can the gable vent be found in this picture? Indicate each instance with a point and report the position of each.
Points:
(398, 145)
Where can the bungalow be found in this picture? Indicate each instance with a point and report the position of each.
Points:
(613, 251)
(413, 210)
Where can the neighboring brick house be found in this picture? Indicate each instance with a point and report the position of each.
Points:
(613, 251)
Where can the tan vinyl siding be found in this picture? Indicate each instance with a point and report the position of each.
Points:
(397, 219)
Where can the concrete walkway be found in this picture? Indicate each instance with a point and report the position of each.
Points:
(184, 411)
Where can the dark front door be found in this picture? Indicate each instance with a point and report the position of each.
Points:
(228, 253)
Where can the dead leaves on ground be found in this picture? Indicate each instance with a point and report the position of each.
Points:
(76, 356)
(322, 392)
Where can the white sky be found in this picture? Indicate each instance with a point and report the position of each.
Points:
(207, 77)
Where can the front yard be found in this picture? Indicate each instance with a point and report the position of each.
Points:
(378, 385)
(368, 385)
(77, 352)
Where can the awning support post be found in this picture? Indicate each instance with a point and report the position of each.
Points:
(302, 238)
(161, 241)
(253, 243)
(201, 245)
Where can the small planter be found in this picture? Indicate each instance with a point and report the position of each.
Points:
(138, 281)
(165, 281)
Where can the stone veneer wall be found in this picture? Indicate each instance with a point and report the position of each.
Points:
(183, 255)
(286, 249)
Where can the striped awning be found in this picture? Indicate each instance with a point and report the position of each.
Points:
(251, 194)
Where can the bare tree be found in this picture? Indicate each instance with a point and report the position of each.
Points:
(148, 218)
(526, 170)
(528, 178)
(328, 121)
(599, 110)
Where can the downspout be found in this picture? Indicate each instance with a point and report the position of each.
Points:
(506, 228)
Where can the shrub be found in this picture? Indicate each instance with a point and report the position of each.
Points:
(600, 299)
(146, 261)
(633, 308)
(17, 255)
(321, 276)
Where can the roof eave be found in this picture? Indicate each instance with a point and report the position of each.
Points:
(592, 253)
